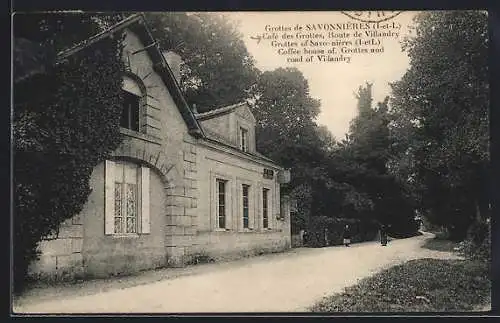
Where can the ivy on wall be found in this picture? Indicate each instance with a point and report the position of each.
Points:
(65, 122)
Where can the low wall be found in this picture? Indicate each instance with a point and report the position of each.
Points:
(61, 256)
(226, 245)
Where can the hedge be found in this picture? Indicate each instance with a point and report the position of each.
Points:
(361, 231)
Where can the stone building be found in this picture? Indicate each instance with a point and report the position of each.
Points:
(181, 185)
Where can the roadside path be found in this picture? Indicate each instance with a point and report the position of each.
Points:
(288, 282)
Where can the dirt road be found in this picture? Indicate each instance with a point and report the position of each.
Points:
(289, 282)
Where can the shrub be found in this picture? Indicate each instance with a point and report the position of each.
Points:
(443, 235)
(200, 258)
(360, 230)
(478, 243)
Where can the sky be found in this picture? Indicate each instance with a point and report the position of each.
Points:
(333, 83)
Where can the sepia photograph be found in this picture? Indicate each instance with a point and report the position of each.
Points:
(290, 162)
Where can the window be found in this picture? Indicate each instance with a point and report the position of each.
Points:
(245, 194)
(265, 209)
(134, 98)
(127, 198)
(221, 204)
(244, 139)
(131, 111)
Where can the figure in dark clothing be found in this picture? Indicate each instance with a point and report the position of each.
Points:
(347, 235)
(383, 235)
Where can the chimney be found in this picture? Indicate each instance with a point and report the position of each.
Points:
(195, 110)
(174, 61)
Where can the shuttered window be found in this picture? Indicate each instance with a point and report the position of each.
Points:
(127, 198)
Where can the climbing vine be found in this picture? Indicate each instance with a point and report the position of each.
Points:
(65, 122)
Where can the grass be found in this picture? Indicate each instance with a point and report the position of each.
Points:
(423, 285)
(440, 245)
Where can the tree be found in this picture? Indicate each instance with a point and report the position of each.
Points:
(441, 113)
(284, 110)
(287, 133)
(217, 69)
(64, 120)
(366, 153)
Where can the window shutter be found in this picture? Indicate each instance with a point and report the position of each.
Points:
(145, 222)
(109, 208)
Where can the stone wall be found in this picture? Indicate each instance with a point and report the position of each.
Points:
(182, 202)
(62, 253)
(235, 241)
(170, 153)
(220, 245)
(182, 171)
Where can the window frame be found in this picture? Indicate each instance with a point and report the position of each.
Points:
(229, 203)
(266, 192)
(247, 208)
(122, 167)
(218, 182)
(142, 179)
(127, 110)
(132, 85)
(244, 137)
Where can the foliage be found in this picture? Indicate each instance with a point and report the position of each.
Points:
(285, 115)
(424, 285)
(65, 123)
(440, 118)
(366, 151)
(477, 246)
(440, 245)
(200, 258)
(330, 179)
(217, 69)
(327, 231)
(287, 133)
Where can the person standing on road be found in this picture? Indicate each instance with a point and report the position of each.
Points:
(347, 235)
(383, 235)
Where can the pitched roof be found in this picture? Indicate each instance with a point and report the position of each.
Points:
(216, 138)
(137, 23)
(218, 112)
(210, 138)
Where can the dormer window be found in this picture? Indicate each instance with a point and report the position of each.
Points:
(134, 95)
(243, 139)
(130, 112)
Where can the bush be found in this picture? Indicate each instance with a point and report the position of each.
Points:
(361, 231)
(199, 258)
(440, 245)
(398, 235)
(403, 229)
(443, 235)
(478, 243)
(65, 123)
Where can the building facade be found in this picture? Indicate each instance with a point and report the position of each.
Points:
(182, 184)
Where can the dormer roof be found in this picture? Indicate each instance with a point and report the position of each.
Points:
(225, 110)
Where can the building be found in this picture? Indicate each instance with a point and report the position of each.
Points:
(182, 184)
